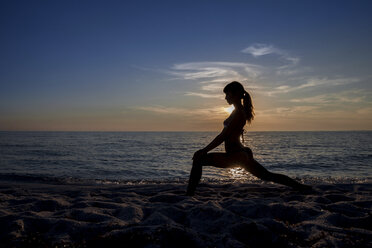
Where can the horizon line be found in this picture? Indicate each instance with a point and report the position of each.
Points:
(184, 131)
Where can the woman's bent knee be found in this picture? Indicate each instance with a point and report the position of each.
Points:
(200, 161)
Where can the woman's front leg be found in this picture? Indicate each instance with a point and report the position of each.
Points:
(216, 159)
(195, 175)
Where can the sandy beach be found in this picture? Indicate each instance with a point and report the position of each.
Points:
(34, 214)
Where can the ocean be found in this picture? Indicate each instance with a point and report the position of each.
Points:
(140, 157)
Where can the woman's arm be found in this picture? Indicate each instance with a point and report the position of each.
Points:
(216, 141)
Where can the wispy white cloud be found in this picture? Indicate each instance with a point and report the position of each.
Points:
(349, 96)
(159, 109)
(285, 111)
(212, 86)
(214, 75)
(353, 106)
(317, 113)
(215, 70)
(311, 83)
(331, 82)
(206, 113)
(204, 95)
(260, 49)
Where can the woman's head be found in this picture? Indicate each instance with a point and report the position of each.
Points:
(235, 88)
(235, 92)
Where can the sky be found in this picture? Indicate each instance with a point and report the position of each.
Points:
(162, 65)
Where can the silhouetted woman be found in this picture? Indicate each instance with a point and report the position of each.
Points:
(236, 154)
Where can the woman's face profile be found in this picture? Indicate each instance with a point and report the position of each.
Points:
(229, 97)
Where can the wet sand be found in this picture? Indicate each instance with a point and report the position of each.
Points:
(160, 215)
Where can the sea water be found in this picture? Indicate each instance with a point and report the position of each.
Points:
(166, 156)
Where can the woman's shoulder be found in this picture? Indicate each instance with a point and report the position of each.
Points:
(239, 111)
(237, 115)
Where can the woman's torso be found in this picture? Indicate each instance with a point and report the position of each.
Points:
(232, 142)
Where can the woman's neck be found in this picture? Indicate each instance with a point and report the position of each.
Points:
(237, 105)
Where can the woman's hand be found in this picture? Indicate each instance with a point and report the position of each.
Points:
(198, 154)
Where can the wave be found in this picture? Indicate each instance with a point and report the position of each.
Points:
(311, 180)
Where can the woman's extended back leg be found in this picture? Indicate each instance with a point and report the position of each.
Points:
(259, 171)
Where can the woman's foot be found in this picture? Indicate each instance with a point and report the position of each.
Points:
(190, 193)
(190, 190)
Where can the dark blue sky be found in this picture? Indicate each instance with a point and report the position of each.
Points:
(100, 57)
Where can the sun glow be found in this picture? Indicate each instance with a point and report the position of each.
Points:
(229, 109)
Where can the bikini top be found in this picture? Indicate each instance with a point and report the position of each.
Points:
(227, 121)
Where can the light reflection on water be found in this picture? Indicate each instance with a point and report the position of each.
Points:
(238, 173)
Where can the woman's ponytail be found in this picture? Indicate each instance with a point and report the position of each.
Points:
(248, 106)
